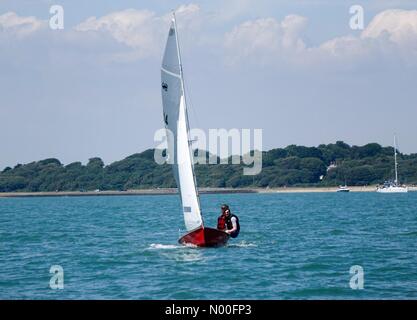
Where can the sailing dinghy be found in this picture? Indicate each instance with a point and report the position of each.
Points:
(176, 121)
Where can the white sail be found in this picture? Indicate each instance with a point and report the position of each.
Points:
(176, 120)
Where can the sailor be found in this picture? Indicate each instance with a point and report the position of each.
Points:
(228, 222)
(221, 220)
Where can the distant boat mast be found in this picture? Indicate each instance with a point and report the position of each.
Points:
(395, 160)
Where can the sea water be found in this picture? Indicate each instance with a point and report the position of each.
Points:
(291, 246)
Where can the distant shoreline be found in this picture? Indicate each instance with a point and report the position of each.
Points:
(173, 191)
(136, 192)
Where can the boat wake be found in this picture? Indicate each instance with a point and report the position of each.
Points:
(242, 244)
(163, 246)
(180, 253)
(160, 246)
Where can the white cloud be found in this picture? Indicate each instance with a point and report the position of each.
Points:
(11, 23)
(399, 25)
(391, 34)
(253, 36)
(293, 26)
(266, 37)
(343, 46)
(134, 28)
(189, 11)
(141, 30)
(134, 34)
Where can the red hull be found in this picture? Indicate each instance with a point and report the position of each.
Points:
(205, 237)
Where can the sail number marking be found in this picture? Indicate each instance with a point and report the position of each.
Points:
(164, 86)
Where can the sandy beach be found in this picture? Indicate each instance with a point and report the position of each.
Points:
(167, 191)
(138, 192)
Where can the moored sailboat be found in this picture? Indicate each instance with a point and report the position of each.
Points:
(344, 188)
(393, 186)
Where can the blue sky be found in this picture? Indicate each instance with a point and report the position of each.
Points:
(293, 68)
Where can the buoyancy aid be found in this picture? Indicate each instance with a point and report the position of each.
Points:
(221, 223)
(229, 225)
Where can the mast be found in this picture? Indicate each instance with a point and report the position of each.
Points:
(395, 160)
(179, 53)
(186, 111)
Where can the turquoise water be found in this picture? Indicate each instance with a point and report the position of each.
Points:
(292, 246)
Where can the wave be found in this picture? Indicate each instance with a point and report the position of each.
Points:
(410, 233)
(337, 232)
(242, 244)
(161, 246)
(176, 252)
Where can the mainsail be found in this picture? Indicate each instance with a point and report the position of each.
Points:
(176, 121)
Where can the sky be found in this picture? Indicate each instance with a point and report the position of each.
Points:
(293, 68)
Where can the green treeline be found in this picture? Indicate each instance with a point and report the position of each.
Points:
(325, 165)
